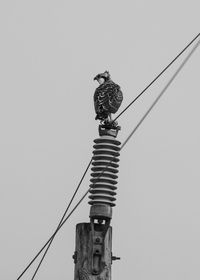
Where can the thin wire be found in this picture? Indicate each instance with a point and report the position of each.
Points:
(58, 228)
(46, 251)
(161, 94)
(158, 76)
(62, 222)
(128, 138)
(52, 237)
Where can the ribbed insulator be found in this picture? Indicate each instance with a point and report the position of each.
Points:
(104, 171)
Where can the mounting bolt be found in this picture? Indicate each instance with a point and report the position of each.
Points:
(114, 258)
(95, 272)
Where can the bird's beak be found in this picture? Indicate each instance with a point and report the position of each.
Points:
(95, 78)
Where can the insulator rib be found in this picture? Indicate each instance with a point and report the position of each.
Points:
(104, 172)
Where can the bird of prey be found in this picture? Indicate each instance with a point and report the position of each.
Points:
(107, 98)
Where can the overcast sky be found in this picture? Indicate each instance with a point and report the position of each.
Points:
(49, 53)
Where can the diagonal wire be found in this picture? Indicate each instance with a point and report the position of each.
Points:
(46, 251)
(158, 75)
(161, 93)
(52, 237)
(133, 131)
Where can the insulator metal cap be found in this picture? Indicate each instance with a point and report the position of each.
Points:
(100, 211)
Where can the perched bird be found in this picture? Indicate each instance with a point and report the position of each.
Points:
(107, 98)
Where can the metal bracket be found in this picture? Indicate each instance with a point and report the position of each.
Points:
(97, 252)
(109, 129)
(98, 237)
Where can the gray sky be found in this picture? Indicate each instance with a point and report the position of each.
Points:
(49, 53)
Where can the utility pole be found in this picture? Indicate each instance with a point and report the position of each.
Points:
(93, 251)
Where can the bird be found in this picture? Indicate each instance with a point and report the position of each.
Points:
(107, 99)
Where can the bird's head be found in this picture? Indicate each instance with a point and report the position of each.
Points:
(102, 77)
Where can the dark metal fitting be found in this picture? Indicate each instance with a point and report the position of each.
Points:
(98, 240)
(95, 271)
(74, 257)
(100, 212)
(115, 258)
(110, 129)
(97, 252)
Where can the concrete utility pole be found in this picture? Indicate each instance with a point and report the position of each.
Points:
(93, 254)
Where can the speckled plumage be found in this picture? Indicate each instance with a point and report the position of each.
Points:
(107, 99)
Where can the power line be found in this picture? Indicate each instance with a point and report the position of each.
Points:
(62, 221)
(160, 95)
(46, 251)
(158, 76)
(58, 227)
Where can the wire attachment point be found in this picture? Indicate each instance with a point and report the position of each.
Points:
(110, 129)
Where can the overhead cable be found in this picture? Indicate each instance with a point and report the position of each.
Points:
(143, 91)
(161, 94)
(58, 227)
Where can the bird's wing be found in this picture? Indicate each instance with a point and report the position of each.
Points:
(108, 97)
(115, 98)
(101, 98)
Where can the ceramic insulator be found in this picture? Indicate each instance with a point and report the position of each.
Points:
(104, 171)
